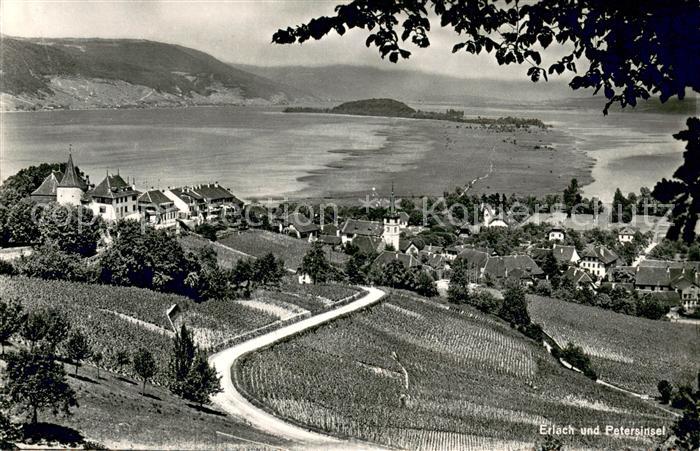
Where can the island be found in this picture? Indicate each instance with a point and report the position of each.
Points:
(394, 108)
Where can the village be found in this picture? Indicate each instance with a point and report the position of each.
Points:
(593, 266)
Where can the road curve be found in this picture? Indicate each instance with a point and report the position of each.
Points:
(234, 403)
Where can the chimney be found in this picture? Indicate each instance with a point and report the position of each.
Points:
(216, 184)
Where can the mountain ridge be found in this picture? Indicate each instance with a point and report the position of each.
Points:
(91, 73)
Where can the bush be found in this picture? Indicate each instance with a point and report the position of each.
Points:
(665, 391)
(575, 356)
(533, 331)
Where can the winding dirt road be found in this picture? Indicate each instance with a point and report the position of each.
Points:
(234, 403)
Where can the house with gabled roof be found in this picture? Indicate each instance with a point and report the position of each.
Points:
(202, 203)
(660, 276)
(410, 245)
(598, 260)
(300, 226)
(46, 192)
(512, 268)
(565, 255)
(113, 199)
(579, 278)
(556, 233)
(158, 209)
(625, 235)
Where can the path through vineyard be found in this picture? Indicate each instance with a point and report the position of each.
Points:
(234, 403)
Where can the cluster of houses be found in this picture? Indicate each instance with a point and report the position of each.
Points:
(114, 199)
(674, 282)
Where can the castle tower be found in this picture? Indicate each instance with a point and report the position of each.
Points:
(392, 230)
(71, 187)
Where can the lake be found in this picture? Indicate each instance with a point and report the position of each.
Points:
(263, 153)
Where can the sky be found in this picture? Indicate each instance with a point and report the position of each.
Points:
(235, 31)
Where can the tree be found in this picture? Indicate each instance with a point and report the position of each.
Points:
(633, 50)
(651, 308)
(315, 264)
(268, 270)
(19, 225)
(578, 359)
(687, 427)
(572, 196)
(620, 208)
(458, 291)
(11, 319)
(202, 380)
(73, 229)
(353, 270)
(665, 391)
(425, 285)
(77, 348)
(514, 307)
(35, 382)
(549, 265)
(184, 351)
(144, 366)
(122, 359)
(683, 190)
(49, 262)
(147, 258)
(97, 358)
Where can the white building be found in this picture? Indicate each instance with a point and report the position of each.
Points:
(625, 235)
(114, 199)
(556, 234)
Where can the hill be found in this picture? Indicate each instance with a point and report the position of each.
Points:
(375, 107)
(628, 351)
(411, 373)
(89, 73)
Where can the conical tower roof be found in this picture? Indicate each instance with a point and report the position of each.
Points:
(70, 178)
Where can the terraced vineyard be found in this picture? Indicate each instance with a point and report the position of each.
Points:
(415, 374)
(123, 319)
(632, 352)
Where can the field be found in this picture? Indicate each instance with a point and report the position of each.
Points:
(112, 412)
(415, 374)
(260, 242)
(632, 352)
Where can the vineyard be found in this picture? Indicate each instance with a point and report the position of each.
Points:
(414, 374)
(124, 319)
(632, 352)
(226, 257)
(261, 242)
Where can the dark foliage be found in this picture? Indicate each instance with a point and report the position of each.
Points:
(35, 382)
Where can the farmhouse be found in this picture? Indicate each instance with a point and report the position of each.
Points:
(410, 246)
(113, 199)
(514, 268)
(682, 278)
(300, 226)
(598, 260)
(579, 278)
(565, 255)
(158, 209)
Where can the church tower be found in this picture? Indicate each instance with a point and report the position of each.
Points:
(392, 229)
(71, 187)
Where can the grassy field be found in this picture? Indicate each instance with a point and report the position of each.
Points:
(632, 352)
(113, 412)
(227, 258)
(260, 242)
(415, 374)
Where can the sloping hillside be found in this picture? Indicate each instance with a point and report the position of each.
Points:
(80, 73)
